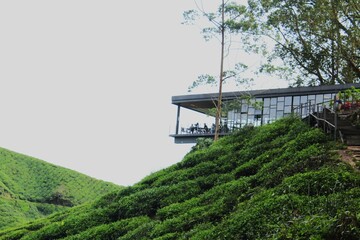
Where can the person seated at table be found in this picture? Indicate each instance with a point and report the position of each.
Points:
(192, 128)
(206, 129)
(197, 128)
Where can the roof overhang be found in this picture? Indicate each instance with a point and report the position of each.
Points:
(203, 102)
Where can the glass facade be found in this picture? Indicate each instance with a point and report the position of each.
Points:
(264, 107)
(265, 110)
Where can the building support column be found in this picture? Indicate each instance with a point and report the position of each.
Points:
(177, 120)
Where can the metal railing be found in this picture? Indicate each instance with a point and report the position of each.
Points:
(319, 113)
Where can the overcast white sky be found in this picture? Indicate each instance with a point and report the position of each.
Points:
(87, 85)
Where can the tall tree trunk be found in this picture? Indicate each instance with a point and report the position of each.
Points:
(219, 102)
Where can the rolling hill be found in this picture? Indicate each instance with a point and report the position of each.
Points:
(283, 180)
(31, 188)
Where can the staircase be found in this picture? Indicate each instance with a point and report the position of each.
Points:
(349, 133)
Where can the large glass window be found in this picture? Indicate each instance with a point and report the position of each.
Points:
(303, 99)
(251, 110)
(273, 113)
(280, 106)
(319, 98)
(279, 114)
(231, 115)
(250, 119)
(258, 105)
(311, 97)
(243, 119)
(234, 119)
(288, 101)
(273, 101)
(266, 118)
(273, 108)
(287, 109)
(244, 107)
(327, 97)
(296, 101)
(266, 110)
(266, 102)
(280, 103)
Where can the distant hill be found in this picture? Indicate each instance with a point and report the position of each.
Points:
(31, 188)
(283, 180)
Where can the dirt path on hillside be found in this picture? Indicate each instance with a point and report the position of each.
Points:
(351, 156)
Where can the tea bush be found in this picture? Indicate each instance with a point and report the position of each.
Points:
(31, 188)
(278, 181)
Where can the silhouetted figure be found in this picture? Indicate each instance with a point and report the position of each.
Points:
(197, 127)
(206, 129)
(338, 102)
(225, 128)
(192, 128)
(213, 127)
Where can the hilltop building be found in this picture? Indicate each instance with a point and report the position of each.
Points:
(255, 107)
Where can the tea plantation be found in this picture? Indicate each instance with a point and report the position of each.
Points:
(284, 180)
(31, 188)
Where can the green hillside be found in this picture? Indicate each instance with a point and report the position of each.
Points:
(31, 188)
(279, 181)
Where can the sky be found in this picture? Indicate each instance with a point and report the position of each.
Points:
(87, 85)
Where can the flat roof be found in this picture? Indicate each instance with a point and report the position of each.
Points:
(202, 102)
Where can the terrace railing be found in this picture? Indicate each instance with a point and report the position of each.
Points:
(321, 115)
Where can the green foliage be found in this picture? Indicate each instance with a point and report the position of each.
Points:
(234, 75)
(31, 188)
(202, 143)
(323, 182)
(219, 25)
(279, 181)
(110, 231)
(317, 41)
(352, 96)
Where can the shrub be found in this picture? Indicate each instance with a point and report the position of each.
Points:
(273, 182)
(346, 226)
(323, 182)
(202, 143)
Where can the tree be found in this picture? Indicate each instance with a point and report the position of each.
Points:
(317, 39)
(221, 30)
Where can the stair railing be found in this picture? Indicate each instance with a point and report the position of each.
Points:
(314, 111)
